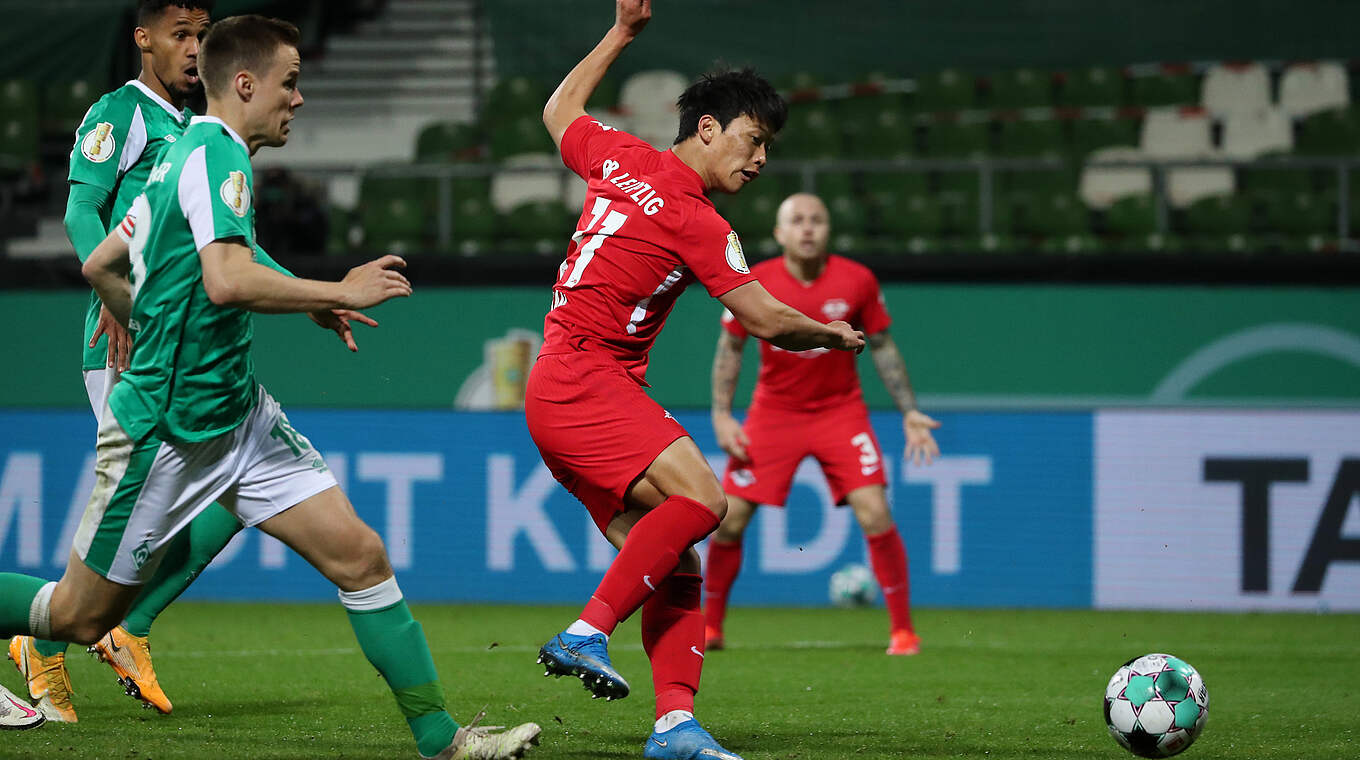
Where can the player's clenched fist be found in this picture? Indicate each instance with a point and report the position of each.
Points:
(632, 15)
(375, 282)
(850, 338)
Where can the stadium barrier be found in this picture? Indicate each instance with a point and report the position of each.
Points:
(1186, 509)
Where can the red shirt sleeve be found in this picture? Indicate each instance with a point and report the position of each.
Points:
(712, 251)
(730, 324)
(585, 142)
(873, 314)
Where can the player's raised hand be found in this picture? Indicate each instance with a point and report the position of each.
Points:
(632, 15)
(375, 282)
(921, 446)
(339, 320)
(731, 438)
(850, 338)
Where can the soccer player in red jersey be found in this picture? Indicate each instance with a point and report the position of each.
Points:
(809, 403)
(647, 231)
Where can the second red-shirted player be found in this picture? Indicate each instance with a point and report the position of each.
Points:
(646, 232)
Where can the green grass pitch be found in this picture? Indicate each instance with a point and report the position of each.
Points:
(287, 681)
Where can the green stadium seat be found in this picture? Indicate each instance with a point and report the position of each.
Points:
(1087, 135)
(605, 96)
(832, 183)
(18, 142)
(1264, 179)
(1298, 213)
(1053, 214)
(810, 133)
(905, 216)
(1021, 88)
(947, 90)
(877, 128)
(19, 97)
(1151, 242)
(1132, 215)
(519, 136)
(958, 213)
(964, 181)
(339, 227)
(800, 80)
(1237, 242)
(1030, 138)
(1218, 215)
(847, 213)
(65, 104)
(1094, 86)
(752, 214)
(1072, 245)
(1038, 180)
(537, 221)
(394, 213)
(894, 182)
(957, 140)
(449, 142)
(1329, 133)
(514, 98)
(1168, 87)
(850, 243)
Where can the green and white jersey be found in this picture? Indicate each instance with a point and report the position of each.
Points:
(116, 145)
(191, 377)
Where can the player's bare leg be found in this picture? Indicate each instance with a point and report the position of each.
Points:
(724, 563)
(325, 530)
(888, 556)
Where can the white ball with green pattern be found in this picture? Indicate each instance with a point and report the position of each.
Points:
(1156, 705)
(853, 586)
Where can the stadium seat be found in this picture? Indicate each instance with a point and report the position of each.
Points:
(18, 142)
(831, 183)
(65, 104)
(518, 136)
(811, 133)
(1030, 138)
(1306, 88)
(958, 213)
(539, 179)
(907, 215)
(647, 99)
(894, 182)
(1044, 215)
(1094, 86)
(1021, 88)
(947, 139)
(1087, 135)
(876, 127)
(800, 80)
(1185, 133)
(1100, 187)
(1298, 213)
(537, 220)
(1329, 133)
(1076, 244)
(1218, 215)
(947, 90)
(19, 96)
(848, 214)
(1132, 215)
(1230, 88)
(514, 98)
(752, 214)
(394, 214)
(448, 142)
(1233, 242)
(1168, 86)
(1251, 133)
(473, 225)
(1150, 242)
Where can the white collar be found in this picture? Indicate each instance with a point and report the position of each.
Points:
(223, 124)
(150, 93)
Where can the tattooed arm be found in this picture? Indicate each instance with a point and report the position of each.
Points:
(726, 370)
(892, 369)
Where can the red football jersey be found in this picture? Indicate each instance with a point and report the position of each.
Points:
(818, 378)
(647, 231)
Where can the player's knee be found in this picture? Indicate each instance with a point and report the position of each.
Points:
(366, 565)
(716, 503)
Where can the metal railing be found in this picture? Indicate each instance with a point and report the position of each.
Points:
(986, 170)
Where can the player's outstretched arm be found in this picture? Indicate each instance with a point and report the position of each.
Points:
(106, 269)
(892, 369)
(770, 319)
(231, 277)
(568, 102)
(726, 370)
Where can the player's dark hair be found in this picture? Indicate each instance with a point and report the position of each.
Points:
(241, 42)
(727, 94)
(149, 10)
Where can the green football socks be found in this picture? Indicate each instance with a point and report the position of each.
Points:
(16, 601)
(395, 643)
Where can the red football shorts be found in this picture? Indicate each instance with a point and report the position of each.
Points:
(595, 427)
(841, 441)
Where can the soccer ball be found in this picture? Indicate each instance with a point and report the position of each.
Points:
(1155, 705)
(853, 586)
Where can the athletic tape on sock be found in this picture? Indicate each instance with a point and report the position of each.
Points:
(415, 701)
(40, 612)
(377, 597)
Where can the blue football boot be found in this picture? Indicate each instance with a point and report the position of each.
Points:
(687, 741)
(586, 657)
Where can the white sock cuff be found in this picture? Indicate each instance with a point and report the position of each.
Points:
(384, 594)
(40, 612)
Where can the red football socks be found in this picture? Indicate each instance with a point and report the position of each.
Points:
(720, 572)
(888, 557)
(649, 556)
(673, 636)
